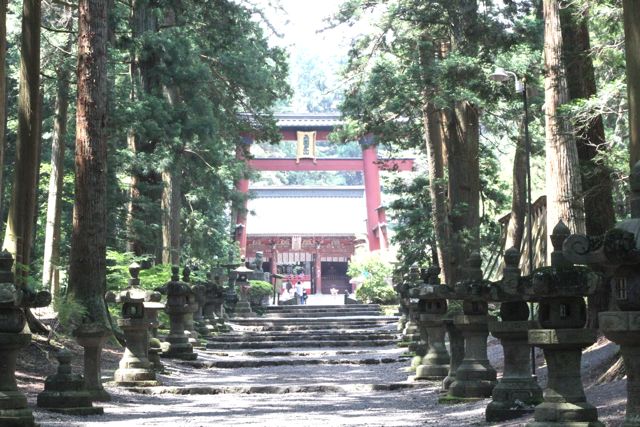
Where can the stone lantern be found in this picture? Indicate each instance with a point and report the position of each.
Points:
(13, 299)
(618, 256)
(177, 308)
(214, 298)
(230, 295)
(562, 316)
(194, 306)
(517, 392)
(412, 337)
(64, 391)
(243, 307)
(432, 309)
(134, 369)
(475, 377)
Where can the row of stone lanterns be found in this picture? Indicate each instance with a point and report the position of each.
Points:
(559, 331)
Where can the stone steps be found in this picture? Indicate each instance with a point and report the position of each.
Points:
(279, 308)
(261, 363)
(300, 337)
(320, 314)
(328, 321)
(299, 344)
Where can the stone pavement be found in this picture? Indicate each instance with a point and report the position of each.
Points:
(324, 385)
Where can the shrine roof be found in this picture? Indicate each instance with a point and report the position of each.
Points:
(303, 210)
(308, 120)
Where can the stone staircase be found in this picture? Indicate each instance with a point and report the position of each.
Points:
(317, 326)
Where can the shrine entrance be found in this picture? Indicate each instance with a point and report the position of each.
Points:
(314, 230)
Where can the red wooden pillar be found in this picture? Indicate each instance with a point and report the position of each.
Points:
(274, 259)
(371, 191)
(242, 186)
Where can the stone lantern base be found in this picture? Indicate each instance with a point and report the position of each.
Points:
(13, 403)
(92, 337)
(623, 328)
(243, 309)
(518, 392)
(178, 347)
(435, 364)
(564, 403)
(475, 377)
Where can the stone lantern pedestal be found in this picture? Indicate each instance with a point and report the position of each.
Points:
(177, 308)
(517, 392)
(564, 403)
(432, 308)
(456, 347)
(92, 337)
(64, 392)
(623, 328)
(134, 369)
(13, 403)
(435, 364)
(243, 307)
(475, 377)
(151, 309)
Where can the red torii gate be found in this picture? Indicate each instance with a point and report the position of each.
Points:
(369, 164)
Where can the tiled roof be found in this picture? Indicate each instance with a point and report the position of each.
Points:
(307, 211)
(309, 120)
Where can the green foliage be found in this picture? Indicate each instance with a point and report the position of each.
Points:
(70, 311)
(259, 290)
(376, 286)
(118, 271)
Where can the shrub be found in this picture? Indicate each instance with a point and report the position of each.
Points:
(258, 291)
(376, 275)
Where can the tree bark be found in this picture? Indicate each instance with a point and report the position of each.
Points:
(461, 130)
(142, 20)
(437, 189)
(3, 94)
(516, 225)
(19, 233)
(590, 138)
(171, 203)
(632, 50)
(51, 259)
(563, 184)
(87, 272)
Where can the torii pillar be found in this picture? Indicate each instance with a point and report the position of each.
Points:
(242, 186)
(376, 217)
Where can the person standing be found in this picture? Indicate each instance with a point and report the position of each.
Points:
(300, 292)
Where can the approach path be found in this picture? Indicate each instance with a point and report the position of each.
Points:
(301, 366)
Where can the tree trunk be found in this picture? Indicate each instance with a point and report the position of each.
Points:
(3, 94)
(632, 50)
(87, 272)
(563, 185)
(19, 233)
(51, 261)
(142, 20)
(171, 203)
(461, 130)
(516, 225)
(590, 140)
(437, 189)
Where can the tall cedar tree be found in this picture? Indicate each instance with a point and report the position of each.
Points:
(18, 238)
(632, 47)
(563, 183)
(87, 272)
(3, 94)
(51, 257)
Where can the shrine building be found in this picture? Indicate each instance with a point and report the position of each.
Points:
(314, 228)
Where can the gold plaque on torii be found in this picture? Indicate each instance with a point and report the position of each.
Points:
(306, 148)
